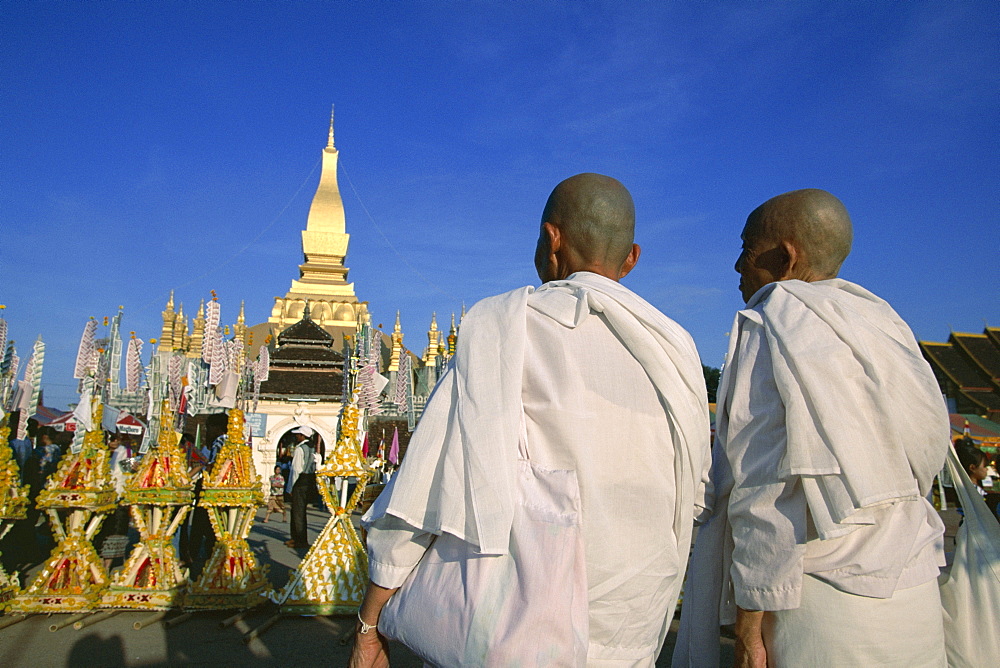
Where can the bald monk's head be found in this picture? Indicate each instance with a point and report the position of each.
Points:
(803, 234)
(588, 225)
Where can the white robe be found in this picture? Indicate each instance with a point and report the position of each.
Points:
(830, 428)
(610, 388)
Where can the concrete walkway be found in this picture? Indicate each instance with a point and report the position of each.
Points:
(198, 641)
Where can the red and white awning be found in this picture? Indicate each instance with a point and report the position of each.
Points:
(129, 424)
(65, 422)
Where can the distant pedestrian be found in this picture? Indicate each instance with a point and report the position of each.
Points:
(276, 502)
(48, 451)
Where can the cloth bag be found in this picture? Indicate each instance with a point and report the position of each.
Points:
(971, 593)
(524, 608)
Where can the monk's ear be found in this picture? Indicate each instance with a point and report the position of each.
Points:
(555, 236)
(630, 261)
(789, 260)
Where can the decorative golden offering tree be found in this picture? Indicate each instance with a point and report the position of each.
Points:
(13, 507)
(77, 498)
(331, 579)
(159, 498)
(231, 494)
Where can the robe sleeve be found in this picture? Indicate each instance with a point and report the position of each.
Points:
(767, 515)
(394, 549)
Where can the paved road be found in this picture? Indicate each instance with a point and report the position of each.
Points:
(292, 641)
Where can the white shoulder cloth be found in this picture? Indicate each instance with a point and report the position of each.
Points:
(458, 474)
(866, 422)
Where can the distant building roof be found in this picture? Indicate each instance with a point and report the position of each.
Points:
(306, 332)
(967, 368)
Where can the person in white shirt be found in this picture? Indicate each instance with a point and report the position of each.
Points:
(608, 385)
(822, 546)
(302, 481)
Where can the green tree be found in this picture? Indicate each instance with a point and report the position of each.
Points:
(711, 381)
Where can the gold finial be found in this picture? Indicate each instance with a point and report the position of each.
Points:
(329, 141)
(201, 309)
(398, 327)
(170, 302)
(241, 318)
(434, 322)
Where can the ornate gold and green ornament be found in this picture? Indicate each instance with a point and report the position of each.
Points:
(232, 492)
(332, 577)
(13, 507)
(77, 499)
(159, 497)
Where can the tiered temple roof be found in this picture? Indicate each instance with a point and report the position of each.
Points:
(967, 368)
(304, 365)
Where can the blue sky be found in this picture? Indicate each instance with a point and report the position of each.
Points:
(175, 145)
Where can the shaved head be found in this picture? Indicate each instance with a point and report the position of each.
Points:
(803, 235)
(814, 220)
(595, 218)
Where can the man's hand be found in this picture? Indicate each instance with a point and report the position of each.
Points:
(750, 652)
(371, 650)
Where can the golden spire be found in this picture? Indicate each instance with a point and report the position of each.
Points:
(433, 342)
(198, 334)
(397, 345)
(240, 328)
(167, 331)
(452, 337)
(329, 141)
(181, 339)
(177, 338)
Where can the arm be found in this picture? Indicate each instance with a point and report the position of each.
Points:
(394, 549)
(750, 652)
(767, 515)
(371, 648)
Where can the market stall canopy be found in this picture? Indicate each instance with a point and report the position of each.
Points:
(65, 422)
(985, 433)
(129, 424)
